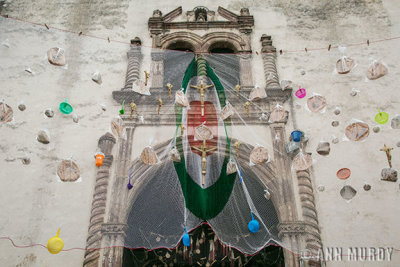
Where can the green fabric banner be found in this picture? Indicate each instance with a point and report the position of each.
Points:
(205, 203)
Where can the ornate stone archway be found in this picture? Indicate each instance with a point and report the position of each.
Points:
(298, 221)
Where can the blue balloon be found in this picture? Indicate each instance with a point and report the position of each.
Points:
(253, 225)
(186, 240)
(296, 136)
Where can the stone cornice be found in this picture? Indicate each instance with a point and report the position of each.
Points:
(113, 228)
(159, 23)
(291, 228)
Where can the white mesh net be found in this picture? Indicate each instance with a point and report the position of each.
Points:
(163, 199)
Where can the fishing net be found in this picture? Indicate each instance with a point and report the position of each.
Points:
(200, 176)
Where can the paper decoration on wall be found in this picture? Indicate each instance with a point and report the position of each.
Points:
(376, 70)
(118, 127)
(357, 131)
(96, 77)
(257, 93)
(174, 155)
(22, 106)
(367, 187)
(267, 194)
(323, 148)
(343, 173)
(49, 112)
(316, 103)
(231, 167)
(181, 99)
(348, 192)
(56, 56)
(68, 171)
(6, 112)
(43, 136)
(286, 84)
(302, 161)
(259, 155)
(149, 156)
(395, 123)
(202, 133)
(389, 174)
(139, 86)
(277, 114)
(227, 111)
(344, 65)
(75, 118)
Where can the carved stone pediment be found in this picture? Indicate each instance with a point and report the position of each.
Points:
(200, 18)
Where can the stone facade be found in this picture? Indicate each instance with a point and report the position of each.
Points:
(37, 203)
(295, 229)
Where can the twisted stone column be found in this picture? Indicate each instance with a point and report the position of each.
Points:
(290, 233)
(134, 59)
(106, 143)
(114, 230)
(113, 237)
(269, 61)
(313, 237)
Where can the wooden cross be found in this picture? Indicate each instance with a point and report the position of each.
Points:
(202, 88)
(387, 150)
(204, 150)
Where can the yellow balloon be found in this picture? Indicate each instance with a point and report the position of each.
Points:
(55, 244)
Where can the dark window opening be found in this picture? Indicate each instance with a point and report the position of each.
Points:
(200, 254)
(222, 48)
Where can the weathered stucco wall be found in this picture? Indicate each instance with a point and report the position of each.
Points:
(35, 203)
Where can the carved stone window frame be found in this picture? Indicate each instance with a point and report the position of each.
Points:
(107, 222)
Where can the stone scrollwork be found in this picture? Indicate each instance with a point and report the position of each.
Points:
(113, 228)
(291, 228)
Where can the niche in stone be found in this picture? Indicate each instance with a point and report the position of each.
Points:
(348, 192)
(200, 13)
